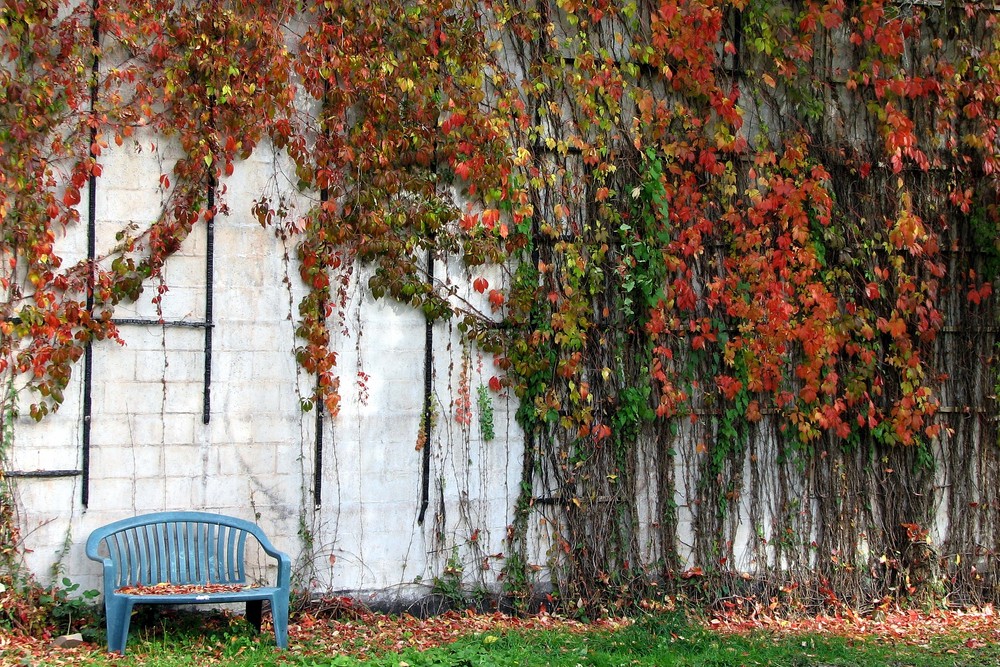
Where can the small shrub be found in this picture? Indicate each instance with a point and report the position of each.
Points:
(28, 607)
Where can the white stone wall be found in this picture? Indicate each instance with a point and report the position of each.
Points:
(151, 450)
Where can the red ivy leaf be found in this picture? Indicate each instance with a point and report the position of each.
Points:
(72, 196)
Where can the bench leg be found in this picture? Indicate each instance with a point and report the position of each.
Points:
(254, 612)
(279, 611)
(119, 614)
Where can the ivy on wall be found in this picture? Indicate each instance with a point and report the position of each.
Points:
(736, 235)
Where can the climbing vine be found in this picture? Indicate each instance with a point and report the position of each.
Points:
(734, 238)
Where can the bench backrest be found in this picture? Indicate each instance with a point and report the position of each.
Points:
(176, 548)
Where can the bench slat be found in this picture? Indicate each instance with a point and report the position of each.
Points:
(115, 552)
(130, 569)
(192, 554)
(180, 537)
(173, 551)
(237, 569)
(220, 554)
(148, 567)
(201, 543)
(161, 571)
(213, 560)
(188, 569)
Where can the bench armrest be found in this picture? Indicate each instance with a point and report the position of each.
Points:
(284, 561)
(109, 569)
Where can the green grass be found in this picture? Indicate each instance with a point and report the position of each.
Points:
(656, 644)
(664, 640)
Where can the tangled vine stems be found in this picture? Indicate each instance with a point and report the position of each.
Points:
(726, 225)
(9, 530)
(821, 313)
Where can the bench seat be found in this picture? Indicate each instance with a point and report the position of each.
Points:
(182, 550)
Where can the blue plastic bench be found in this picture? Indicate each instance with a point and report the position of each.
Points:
(183, 549)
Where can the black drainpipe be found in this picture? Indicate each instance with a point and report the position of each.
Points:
(318, 458)
(88, 353)
(425, 477)
(324, 195)
(425, 482)
(209, 277)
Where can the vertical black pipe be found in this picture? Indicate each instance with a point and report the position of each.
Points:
(425, 482)
(425, 479)
(209, 278)
(324, 195)
(88, 353)
(318, 458)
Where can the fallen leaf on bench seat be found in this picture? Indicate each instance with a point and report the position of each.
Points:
(182, 589)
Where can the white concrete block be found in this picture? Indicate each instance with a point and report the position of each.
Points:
(113, 495)
(145, 461)
(184, 397)
(151, 495)
(182, 429)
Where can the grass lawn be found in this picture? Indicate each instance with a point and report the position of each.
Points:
(467, 640)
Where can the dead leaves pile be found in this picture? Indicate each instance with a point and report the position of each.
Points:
(182, 589)
(373, 633)
(915, 627)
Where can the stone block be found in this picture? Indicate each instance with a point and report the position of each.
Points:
(402, 488)
(185, 460)
(184, 303)
(151, 494)
(290, 461)
(146, 461)
(405, 395)
(274, 428)
(264, 335)
(108, 430)
(146, 428)
(141, 338)
(186, 269)
(112, 494)
(183, 430)
(233, 371)
(227, 426)
(224, 492)
(185, 397)
(112, 364)
(271, 366)
(67, 641)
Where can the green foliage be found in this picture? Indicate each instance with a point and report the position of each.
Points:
(450, 584)
(72, 608)
(28, 607)
(485, 404)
